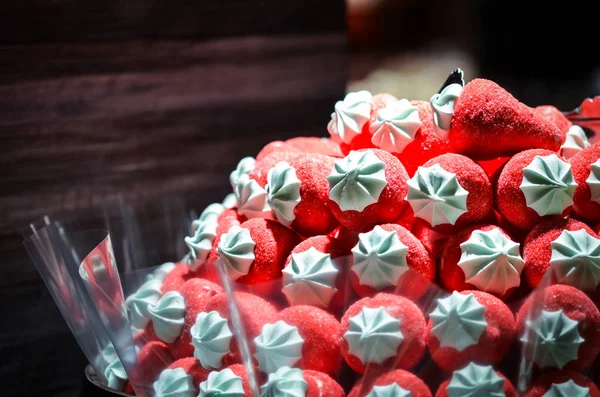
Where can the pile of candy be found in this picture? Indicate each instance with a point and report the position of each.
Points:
(331, 245)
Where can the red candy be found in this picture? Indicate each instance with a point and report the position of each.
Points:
(413, 282)
(254, 313)
(412, 327)
(321, 385)
(262, 167)
(192, 367)
(554, 116)
(153, 357)
(472, 178)
(320, 331)
(276, 146)
(426, 144)
(176, 278)
(544, 383)
(452, 276)
(488, 122)
(390, 204)
(311, 216)
(363, 139)
(490, 347)
(402, 378)
(338, 252)
(537, 249)
(196, 293)
(311, 144)
(509, 389)
(273, 243)
(510, 199)
(581, 163)
(576, 306)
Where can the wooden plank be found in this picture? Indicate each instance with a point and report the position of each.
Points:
(83, 21)
(43, 61)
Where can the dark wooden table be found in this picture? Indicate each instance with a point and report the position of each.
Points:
(138, 100)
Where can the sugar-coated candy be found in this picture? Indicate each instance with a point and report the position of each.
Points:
(425, 143)
(286, 381)
(320, 332)
(316, 274)
(469, 326)
(352, 119)
(397, 382)
(254, 253)
(559, 328)
(276, 146)
(481, 257)
(311, 144)
(385, 331)
(476, 380)
(449, 192)
(196, 294)
(153, 357)
(534, 184)
(297, 192)
(366, 188)
(254, 312)
(390, 259)
(488, 122)
(562, 384)
(586, 171)
(185, 371)
(176, 278)
(569, 247)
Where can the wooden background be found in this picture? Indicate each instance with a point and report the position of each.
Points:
(138, 100)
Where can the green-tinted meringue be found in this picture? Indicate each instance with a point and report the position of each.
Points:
(309, 278)
(436, 196)
(548, 185)
(161, 272)
(211, 338)
(222, 383)
(230, 201)
(357, 180)
(553, 338)
(252, 199)
(244, 167)
(236, 249)
(373, 335)
(278, 345)
(576, 259)
(593, 181)
(115, 375)
(174, 383)
(285, 382)
(442, 105)
(168, 316)
(350, 116)
(200, 244)
(379, 258)
(105, 357)
(575, 142)
(211, 213)
(491, 261)
(567, 389)
(476, 381)
(283, 192)
(391, 390)
(458, 321)
(137, 303)
(396, 126)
